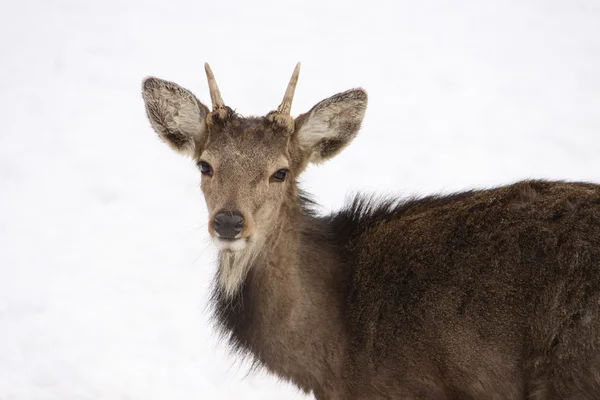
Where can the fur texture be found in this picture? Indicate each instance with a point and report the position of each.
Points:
(490, 294)
(486, 294)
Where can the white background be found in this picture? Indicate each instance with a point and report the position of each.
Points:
(105, 262)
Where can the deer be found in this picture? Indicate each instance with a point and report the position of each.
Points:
(481, 294)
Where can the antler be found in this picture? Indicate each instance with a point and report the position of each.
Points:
(286, 104)
(215, 94)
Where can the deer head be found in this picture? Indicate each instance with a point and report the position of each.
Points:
(249, 165)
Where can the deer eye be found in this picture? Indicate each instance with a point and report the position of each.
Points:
(205, 168)
(279, 176)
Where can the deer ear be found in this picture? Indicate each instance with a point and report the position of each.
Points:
(331, 125)
(176, 115)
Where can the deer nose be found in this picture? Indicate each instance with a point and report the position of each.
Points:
(228, 224)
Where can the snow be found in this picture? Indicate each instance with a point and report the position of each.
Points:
(105, 262)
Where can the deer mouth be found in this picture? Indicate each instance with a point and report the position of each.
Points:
(230, 244)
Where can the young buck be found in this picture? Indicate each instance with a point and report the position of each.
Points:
(491, 294)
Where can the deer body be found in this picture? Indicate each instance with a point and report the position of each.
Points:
(491, 294)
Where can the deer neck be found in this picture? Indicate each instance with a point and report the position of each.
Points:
(287, 300)
(275, 251)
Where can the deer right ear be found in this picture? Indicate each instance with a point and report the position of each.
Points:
(176, 115)
(331, 125)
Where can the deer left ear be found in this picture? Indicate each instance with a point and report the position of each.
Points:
(331, 125)
(176, 115)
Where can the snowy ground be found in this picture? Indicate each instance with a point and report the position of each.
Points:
(104, 258)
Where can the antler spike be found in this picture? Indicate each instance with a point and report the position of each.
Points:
(215, 94)
(286, 105)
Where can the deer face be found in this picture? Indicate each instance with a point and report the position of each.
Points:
(247, 176)
(249, 166)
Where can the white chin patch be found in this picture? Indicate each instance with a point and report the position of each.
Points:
(236, 258)
(229, 245)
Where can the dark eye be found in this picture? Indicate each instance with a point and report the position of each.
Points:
(205, 168)
(279, 176)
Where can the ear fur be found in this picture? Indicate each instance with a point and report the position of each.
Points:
(176, 115)
(331, 124)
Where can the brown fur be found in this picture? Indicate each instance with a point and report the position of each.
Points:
(491, 294)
